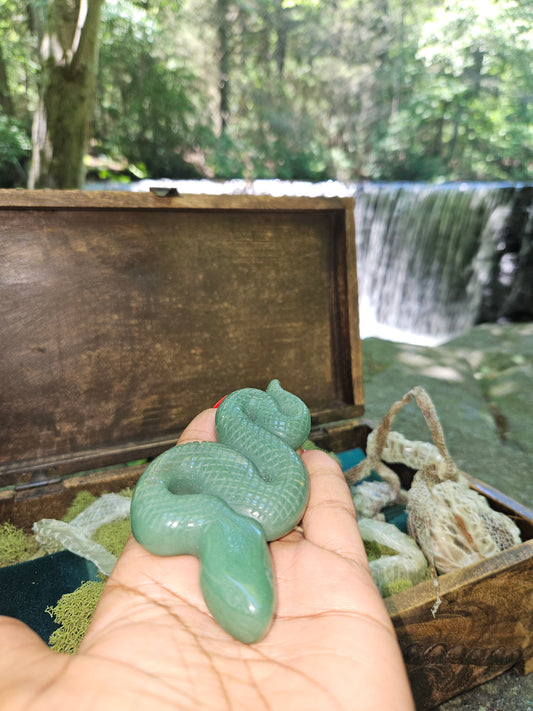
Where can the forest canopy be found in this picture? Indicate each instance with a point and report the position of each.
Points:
(292, 89)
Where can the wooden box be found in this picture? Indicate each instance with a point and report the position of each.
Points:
(123, 315)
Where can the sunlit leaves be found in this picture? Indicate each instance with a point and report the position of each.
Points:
(478, 57)
(410, 89)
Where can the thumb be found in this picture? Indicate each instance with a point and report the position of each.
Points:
(27, 665)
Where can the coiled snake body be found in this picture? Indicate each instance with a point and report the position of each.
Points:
(222, 501)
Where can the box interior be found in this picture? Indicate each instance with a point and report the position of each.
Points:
(125, 315)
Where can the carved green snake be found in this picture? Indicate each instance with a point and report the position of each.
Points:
(222, 501)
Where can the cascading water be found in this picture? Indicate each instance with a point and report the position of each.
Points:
(435, 260)
(432, 260)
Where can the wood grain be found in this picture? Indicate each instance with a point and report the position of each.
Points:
(123, 315)
(483, 627)
(125, 200)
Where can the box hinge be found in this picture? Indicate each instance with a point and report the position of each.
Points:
(38, 480)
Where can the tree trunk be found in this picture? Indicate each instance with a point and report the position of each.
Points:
(223, 30)
(61, 125)
(282, 33)
(6, 101)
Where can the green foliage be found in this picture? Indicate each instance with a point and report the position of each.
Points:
(150, 101)
(295, 89)
(17, 90)
(14, 142)
(15, 149)
(474, 109)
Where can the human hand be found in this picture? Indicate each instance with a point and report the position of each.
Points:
(153, 644)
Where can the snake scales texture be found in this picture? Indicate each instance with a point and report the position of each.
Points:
(222, 501)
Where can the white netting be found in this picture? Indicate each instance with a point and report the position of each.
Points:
(414, 454)
(369, 497)
(54, 535)
(453, 524)
(408, 562)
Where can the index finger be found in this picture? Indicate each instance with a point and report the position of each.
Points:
(201, 428)
(330, 520)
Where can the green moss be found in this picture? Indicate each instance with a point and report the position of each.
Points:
(127, 492)
(113, 536)
(73, 613)
(375, 550)
(16, 546)
(396, 586)
(82, 501)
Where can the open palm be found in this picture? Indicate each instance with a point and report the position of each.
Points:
(153, 644)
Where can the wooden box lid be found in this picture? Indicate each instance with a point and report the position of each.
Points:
(125, 314)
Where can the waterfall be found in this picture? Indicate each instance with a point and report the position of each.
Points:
(435, 260)
(432, 260)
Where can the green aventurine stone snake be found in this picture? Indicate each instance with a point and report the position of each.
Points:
(222, 501)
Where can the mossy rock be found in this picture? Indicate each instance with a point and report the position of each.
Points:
(480, 383)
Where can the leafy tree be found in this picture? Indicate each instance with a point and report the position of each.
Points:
(62, 121)
(309, 89)
(471, 108)
(151, 106)
(15, 147)
(267, 129)
(17, 91)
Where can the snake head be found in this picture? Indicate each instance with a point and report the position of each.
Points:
(236, 577)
